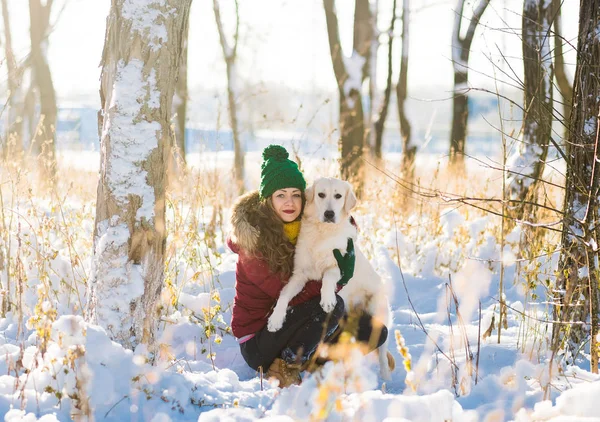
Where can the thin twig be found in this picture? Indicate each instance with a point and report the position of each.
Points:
(115, 405)
(546, 321)
(422, 326)
(478, 345)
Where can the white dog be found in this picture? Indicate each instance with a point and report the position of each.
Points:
(326, 226)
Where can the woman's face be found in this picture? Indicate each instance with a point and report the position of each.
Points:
(287, 203)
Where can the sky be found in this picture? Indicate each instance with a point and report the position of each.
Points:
(283, 42)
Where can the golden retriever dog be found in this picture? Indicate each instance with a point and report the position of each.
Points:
(326, 226)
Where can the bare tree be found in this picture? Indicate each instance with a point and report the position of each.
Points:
(140, 65)
(14, 131)
(576, 293)
(409, 149)
(181, 98)
(564, 85)
(363, 34)
(530, 157)
(230, 55)
(379, 125)
(349, 73)
(374, 107)
(366, 46)
(45, 133)
(461, 48)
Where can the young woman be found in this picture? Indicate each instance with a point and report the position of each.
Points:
(266, 224)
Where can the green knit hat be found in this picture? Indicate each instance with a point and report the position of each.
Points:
(277, 172)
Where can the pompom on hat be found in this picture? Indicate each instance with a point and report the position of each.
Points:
(279, 172)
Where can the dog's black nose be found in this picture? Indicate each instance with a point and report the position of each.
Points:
(329, 215)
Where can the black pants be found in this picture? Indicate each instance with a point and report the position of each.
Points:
(305, 326)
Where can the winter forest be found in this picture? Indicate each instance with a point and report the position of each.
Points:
(467, 128)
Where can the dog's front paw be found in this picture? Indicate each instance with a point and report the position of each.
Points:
(276, 320)
(328, 302)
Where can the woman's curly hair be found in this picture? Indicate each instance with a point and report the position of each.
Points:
(273, 245)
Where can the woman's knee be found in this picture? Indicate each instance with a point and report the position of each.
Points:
(254, 357)
(250, 357)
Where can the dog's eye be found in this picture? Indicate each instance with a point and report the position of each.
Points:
(321, 195)
(337, 196)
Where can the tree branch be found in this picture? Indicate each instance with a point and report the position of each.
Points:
(477, 13)
(335, 46)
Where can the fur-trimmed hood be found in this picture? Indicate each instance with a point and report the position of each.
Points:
(258, 231)
(246, 222)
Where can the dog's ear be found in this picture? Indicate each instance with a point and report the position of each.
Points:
(310, 193)
(350, 199)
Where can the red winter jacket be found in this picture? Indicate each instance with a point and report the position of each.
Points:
(256, 292)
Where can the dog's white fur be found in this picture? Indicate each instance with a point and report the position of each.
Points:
(322, 232)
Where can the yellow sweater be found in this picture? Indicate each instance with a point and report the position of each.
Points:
(291, 231)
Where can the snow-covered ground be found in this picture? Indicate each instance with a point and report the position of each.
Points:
(55, 366)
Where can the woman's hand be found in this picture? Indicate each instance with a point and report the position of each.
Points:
(345, 262)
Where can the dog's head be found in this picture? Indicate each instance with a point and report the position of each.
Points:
(329, 200)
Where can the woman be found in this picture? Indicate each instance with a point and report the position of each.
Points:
(266, 224)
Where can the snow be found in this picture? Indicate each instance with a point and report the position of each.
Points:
(199, 374)
(147, 18)
(120, 279)
(575, 404)
(461, 88)
(589, 127)
(522, 163)
(15, 415)
(469, 293)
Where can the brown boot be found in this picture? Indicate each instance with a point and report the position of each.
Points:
(317, 360)
(287, 374)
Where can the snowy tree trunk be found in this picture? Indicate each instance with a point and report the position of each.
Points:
(576, 293)
(139, 70)
(363, 35)
(13, 141)
(230, 55)
(564, 85)
(529, 159)
(409, 149)
(352, 128)
(460, 116)
(45, 132)
(461, 47)
(379, 125)
(363, 46)
(373, 94)
(349, 76)
(180, 100)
